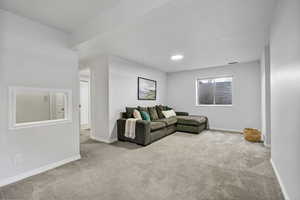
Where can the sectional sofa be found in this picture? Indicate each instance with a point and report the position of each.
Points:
(159, 126)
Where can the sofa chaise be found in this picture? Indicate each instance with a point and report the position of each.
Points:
(159, 127)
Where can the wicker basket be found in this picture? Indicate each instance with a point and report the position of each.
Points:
(252, 135)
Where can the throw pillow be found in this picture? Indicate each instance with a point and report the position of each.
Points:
(137, 114)
(159, 110)
(129, 112)
(153, 113)
(169, 113)
(145, 116)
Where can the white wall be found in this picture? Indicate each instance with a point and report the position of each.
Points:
(113, 87)
(123, 79)
(34, 55)
(266, 96)
(246, 109)
(285, 95)
(99, 78)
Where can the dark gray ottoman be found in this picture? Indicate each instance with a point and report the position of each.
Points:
(192, 123)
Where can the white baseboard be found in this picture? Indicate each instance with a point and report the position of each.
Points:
(263, 139)
(285, 195)
(108, 141)
(85, 126)
(225, 130)
(37, 171)
(267, 145)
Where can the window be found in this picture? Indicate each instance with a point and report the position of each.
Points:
(214, 91)
(36, 107)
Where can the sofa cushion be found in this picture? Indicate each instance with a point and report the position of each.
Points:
(129, 111)
(153, 113)
(168, 108)
(182, 113)
(158, 134)
(159, 110)
(157, 125)
(168, 121)
(191, 120)
(145, 109)
(190, 129)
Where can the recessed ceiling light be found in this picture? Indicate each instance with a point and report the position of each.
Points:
(177, 57)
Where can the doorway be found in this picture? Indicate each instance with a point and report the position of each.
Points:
(57, 106)
(85, 104)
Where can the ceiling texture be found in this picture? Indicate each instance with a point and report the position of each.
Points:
(207, 32)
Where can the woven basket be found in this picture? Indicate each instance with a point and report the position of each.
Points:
(252, 135)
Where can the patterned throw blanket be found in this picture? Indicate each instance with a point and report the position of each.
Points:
(130, 128)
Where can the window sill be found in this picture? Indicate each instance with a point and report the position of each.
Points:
(39, 124)
(211, 105)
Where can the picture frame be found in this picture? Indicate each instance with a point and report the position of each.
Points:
(147, 89)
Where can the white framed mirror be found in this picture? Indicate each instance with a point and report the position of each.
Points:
(29, 107)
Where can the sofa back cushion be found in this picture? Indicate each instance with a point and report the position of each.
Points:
(124, 115)
(145, 109)
(159, 110)
(153, 113)
(168, 108)
(129, 111)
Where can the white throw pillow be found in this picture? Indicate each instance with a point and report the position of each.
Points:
(169, 113)
(137, 114)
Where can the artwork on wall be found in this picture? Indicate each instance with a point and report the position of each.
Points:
(146, 89)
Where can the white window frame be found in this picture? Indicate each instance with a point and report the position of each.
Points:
(214, 105)
(12, 108)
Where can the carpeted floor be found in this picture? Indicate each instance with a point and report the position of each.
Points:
(209, 166)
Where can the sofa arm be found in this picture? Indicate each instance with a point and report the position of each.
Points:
(142, 132)
(182, 113)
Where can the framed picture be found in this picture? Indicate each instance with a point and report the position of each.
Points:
(146, 89)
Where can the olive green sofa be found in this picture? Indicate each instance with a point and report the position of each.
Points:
(150, 131)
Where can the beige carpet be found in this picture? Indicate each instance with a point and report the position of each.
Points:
(212, 165)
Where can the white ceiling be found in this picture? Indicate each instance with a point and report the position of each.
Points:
(66, 15)
(207, 32)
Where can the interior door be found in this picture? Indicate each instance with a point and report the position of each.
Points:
(84, 102)
(59, 106)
